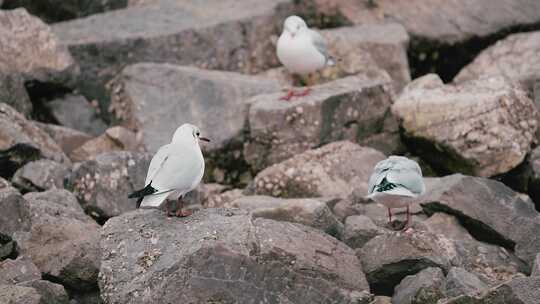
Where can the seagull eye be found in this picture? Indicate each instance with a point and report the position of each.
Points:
(198, 134)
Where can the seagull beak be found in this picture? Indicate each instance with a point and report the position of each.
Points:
(204, 139)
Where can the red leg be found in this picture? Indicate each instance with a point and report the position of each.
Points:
(179, 211)
(389, 216)
(290, 94)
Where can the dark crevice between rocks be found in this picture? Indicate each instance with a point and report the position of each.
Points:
(15, 157)
(72, 292)
(228, 166)
(476, 229)
(432, 154)
(446, 60)
(383, 281)
(316, 18)
(42, 92)
(8, 247)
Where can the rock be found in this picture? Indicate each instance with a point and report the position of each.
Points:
(224, 255)
(492, 264)
(219, 195)
(533, 179)
(34, 292)
(15, 215)
(13, 92)
(68, 139)
(103, 184)
(16, 271)
(360, 49)
(515, 57)
(74, 111)
(446, 23)
(345, 207)
(14, 128)
(486, 218)
(310, 212)
(113, 139)
(41, 175)
(453, 121)
(520, 290)
(333, 170)
(356, 108)
(459, 281)
(358, 230)
(59, 10)
(30, 48)
(62, 241)
(17, 156)
(382, 300)
(385, 266)
(175, 32)
(536, 266)
(424, 287)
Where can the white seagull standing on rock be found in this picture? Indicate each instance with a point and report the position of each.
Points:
(301, 50)
(176, 169)
(395, 183)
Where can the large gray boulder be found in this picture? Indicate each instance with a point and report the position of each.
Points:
(51, 228)
(485, 206)
(447, 22)
(13, 92)
(482, 127)
(334, 170)
(427, 286)
(41, 175)
(14, 129)
(459, 282)
(515, 57)
(115, 138)
(227, 36)
(355, 108)
(102, 184)
(68, 139)
(224, 255)
(75, 112)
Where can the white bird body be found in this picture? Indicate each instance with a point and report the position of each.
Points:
(396, 182)
(300, 49)
(176, 169)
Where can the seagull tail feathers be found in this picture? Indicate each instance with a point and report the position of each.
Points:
(154, 200)
(143, 192)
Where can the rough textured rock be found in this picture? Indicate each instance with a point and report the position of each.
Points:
(68, 139)
(224, 255)
(360, 49)
(486, 218)
(51, 229)
(17, 271)
(13, 92)
(482, 127)
(333, 170)
(75, 112)
(424, 287)
(41, 175)
(14, 128)
(33, 292)
(515, 57)
(59, 10)
(385, 266)
(310, 212)
(358, 230)
(445, 21)
(220, 35)
(459, 282)
(356, 108)
(12, 294)
(520, 290)
(113, 139)
(536, 266)
(533, 177)
(103, 184)
(29, 47)
(221, 197)
(491, 263)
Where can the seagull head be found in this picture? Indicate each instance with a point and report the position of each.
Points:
(188, 132)
(294, 24)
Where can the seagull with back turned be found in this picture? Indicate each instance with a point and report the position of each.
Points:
(395, 183)
(176, 169)
(301, 50)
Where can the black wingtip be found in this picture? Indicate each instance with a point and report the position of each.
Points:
(139, 201)
(143, 192)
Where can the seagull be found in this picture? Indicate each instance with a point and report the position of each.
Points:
(176, 169)
(301, 50)
(395, 183)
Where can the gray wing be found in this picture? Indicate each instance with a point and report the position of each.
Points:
(157, 163)
(398, 170)
(319, 43)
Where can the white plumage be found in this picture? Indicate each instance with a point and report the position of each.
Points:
(176, 168)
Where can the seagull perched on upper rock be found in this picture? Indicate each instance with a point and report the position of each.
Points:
(395, 183)
(301, 50)
(176, 169)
